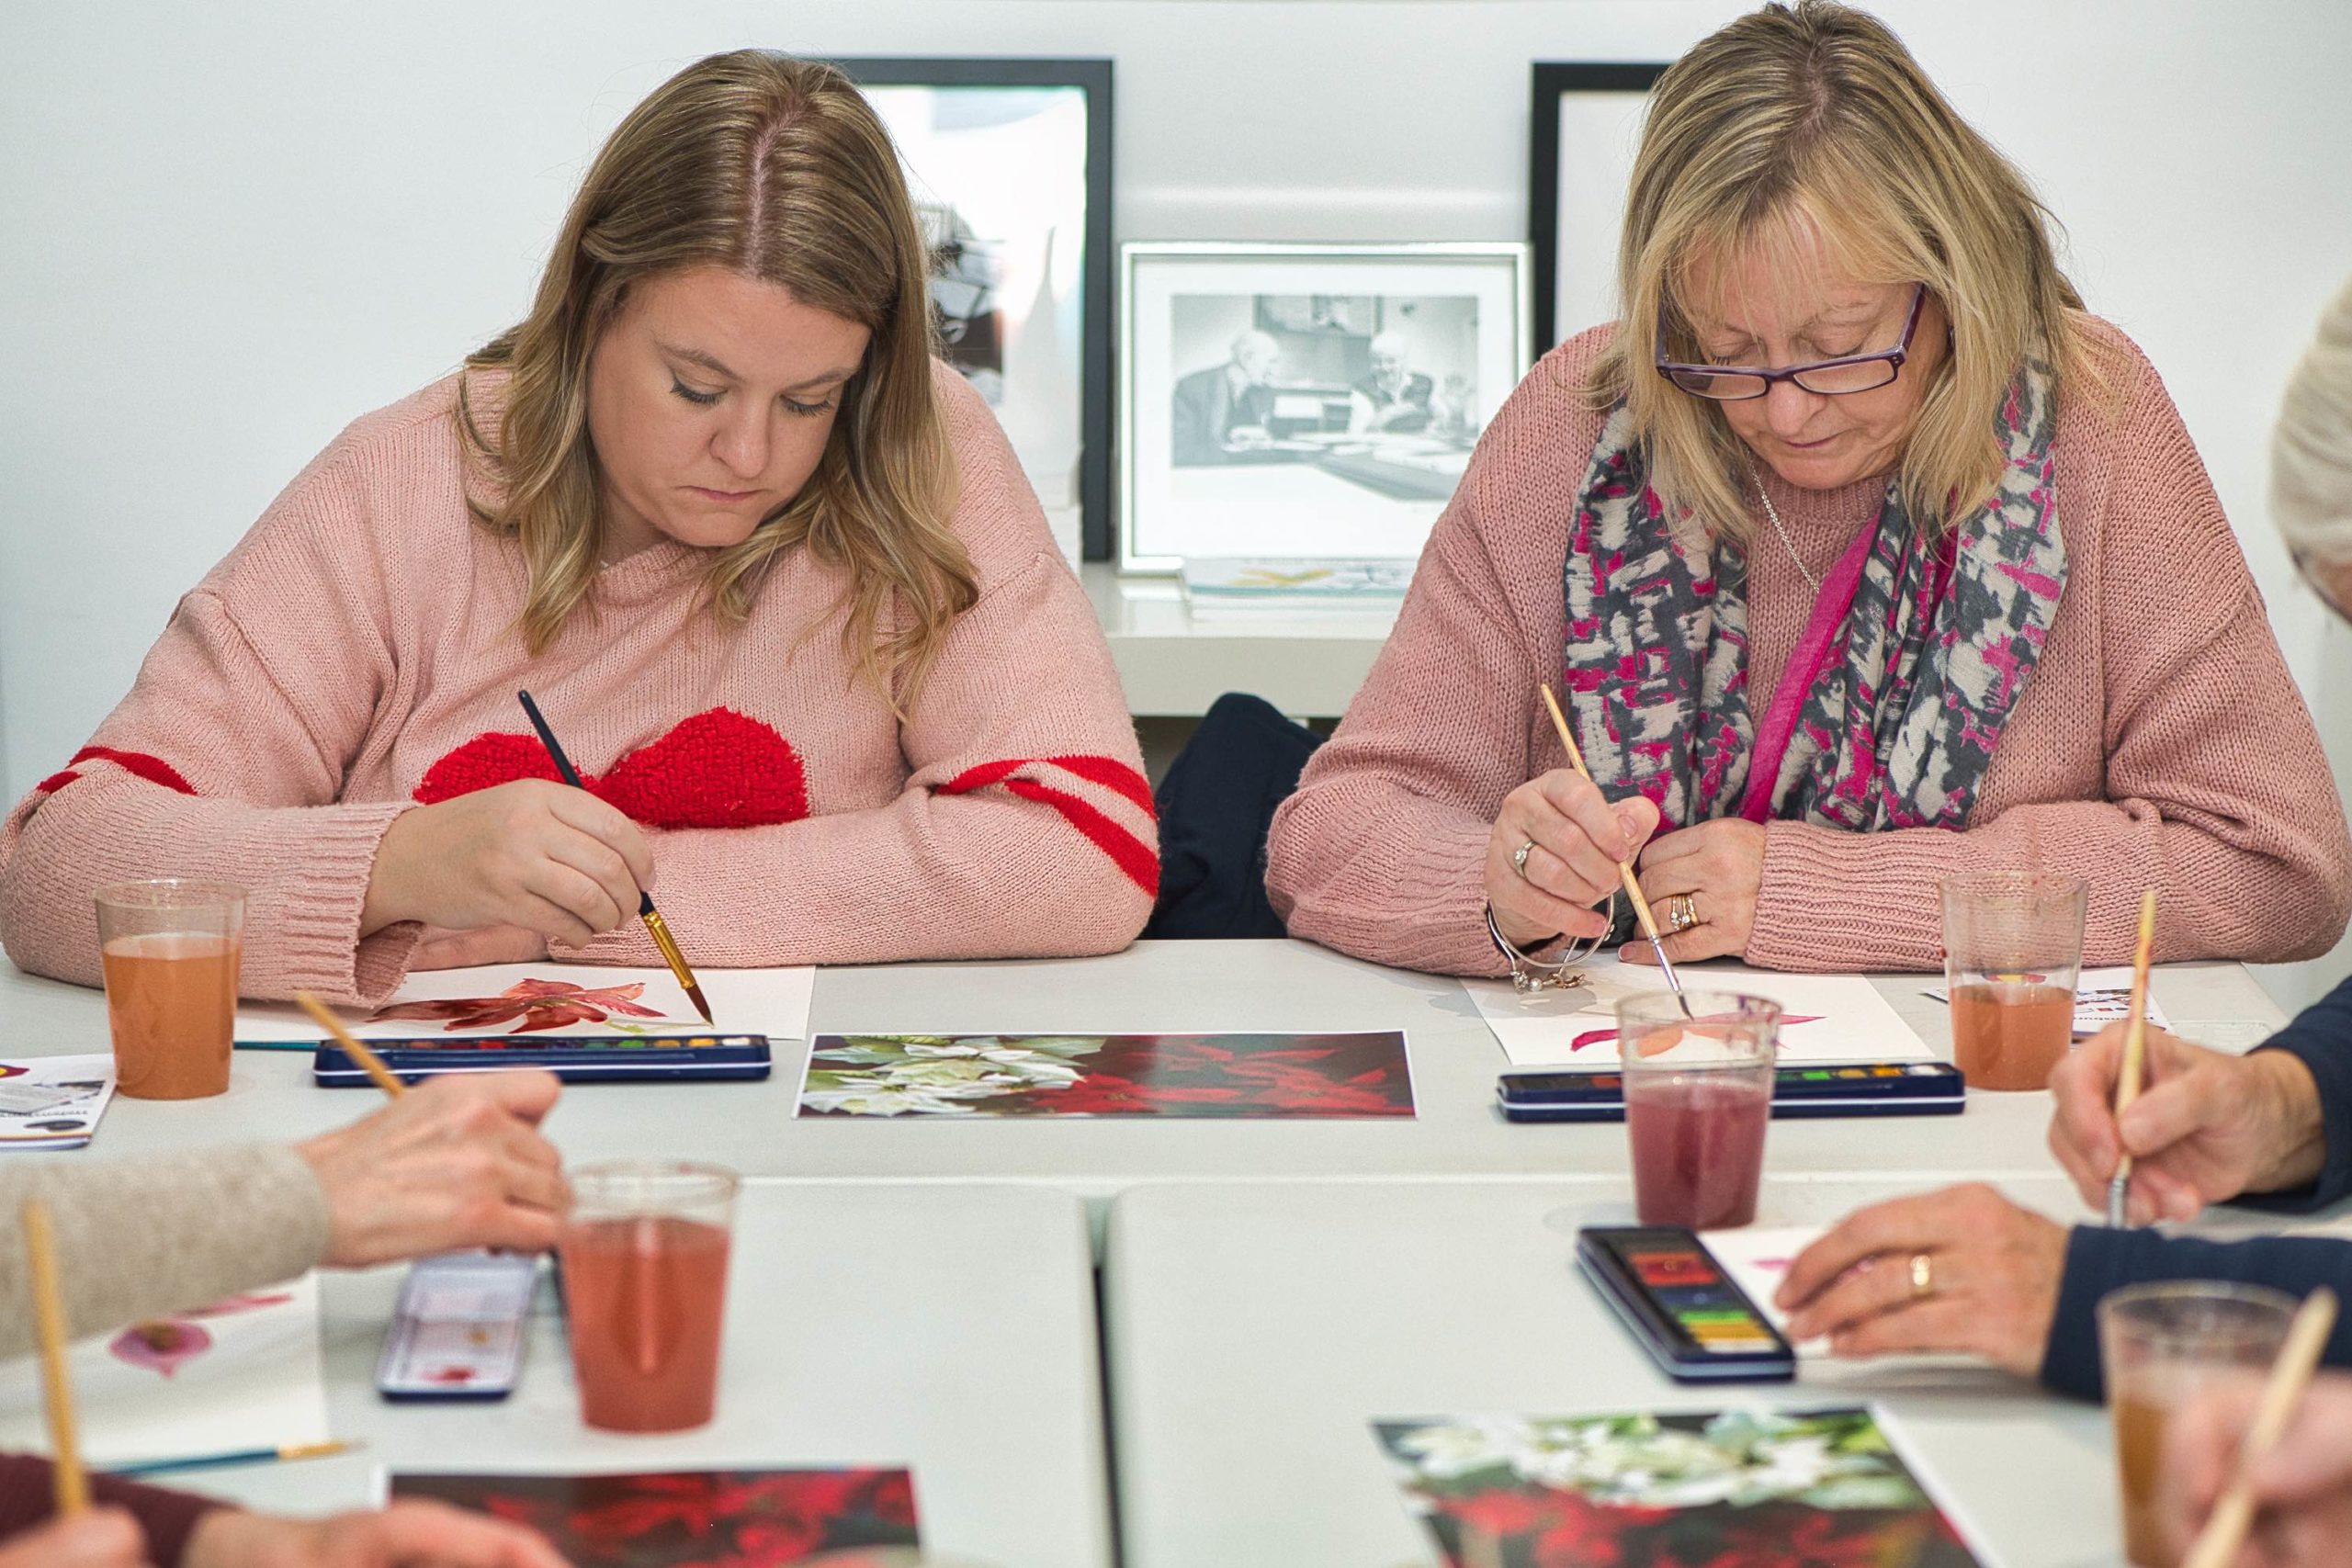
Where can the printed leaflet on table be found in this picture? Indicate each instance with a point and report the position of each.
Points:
(53, 1102)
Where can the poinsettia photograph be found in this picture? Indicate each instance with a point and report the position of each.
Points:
(1308, 1076)
(1726, 1489)
(692, 1519)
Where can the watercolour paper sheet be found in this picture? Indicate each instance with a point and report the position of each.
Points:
(1757, 1259)
(774, 1002)
(243, 1373)
(53, 1102)
(1826, 1018)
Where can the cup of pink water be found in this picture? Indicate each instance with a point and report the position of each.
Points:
(1698, 1072)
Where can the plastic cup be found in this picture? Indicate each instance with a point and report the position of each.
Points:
(170, 950)
(2013, 946)
(644, 1259)
(2162, 1345)
(1698, 1097)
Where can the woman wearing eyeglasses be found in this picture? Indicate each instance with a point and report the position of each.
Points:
(1858, 554)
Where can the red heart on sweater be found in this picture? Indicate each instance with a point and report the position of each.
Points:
(719, 769)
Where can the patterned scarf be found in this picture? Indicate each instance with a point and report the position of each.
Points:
(1914, 685)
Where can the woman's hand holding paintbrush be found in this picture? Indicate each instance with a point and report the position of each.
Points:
(1554, 852)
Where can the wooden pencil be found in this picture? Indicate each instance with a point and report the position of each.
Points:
(2217, 1544)
(70, 1483)
(1625, 868)
(352, 1046)
(2135, 1054)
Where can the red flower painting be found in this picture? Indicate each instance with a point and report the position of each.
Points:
(1310, 1076)
(692, 1519)
(529, 1005)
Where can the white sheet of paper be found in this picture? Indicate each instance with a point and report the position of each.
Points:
(53, 1102)
(1757, 1259)
(1847, 1019)
(2102, 996)
(774, 1002)
(257, 1385)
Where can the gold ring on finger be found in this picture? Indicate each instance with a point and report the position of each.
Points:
(1681, 912)
(1923, 1276)
(1519, 859)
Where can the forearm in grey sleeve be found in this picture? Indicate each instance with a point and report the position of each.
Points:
(141, 1238)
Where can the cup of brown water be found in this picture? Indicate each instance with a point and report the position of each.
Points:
(2162, 1345)
(2013, 946)
(170, 949)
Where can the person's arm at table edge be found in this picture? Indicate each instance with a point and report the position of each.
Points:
(140, 1238)
(2099, 1260)
(2320, 1037)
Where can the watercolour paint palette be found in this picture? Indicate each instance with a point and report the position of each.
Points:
(53, 1102)
(694, 1518)
(1826, 1018)
(564, 999)
(1758, 1487)
(972, 1075)
(241, 1373)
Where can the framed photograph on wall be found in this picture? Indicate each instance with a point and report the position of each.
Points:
(1009, 161)
(1585, 125)
(1305, 402)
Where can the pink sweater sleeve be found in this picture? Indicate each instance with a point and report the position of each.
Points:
(2218, 794)
(1382, 851)
(225, 761)
(1025, 827)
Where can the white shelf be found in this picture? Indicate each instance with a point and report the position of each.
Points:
(1173, 666)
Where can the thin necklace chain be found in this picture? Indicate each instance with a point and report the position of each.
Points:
(1786, 543)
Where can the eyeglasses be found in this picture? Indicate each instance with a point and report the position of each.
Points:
(1829, 377)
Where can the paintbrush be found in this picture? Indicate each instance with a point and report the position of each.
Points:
(2217, 1544)
(2135, 1051)
(352, 1047)
(1625, 868)
(655, 926)
(286, 1452)
(70, 1484)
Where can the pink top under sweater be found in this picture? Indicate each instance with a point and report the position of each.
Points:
(2160, 742)
(356, 654)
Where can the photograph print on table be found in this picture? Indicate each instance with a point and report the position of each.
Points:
(1008, 163)
(1309, 1077)
(1759, 1488)
(739, 1519)
(1307, 401)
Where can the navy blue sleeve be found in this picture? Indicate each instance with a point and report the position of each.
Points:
(2321, 1038)
(2099, 1260)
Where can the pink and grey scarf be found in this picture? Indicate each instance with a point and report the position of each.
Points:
(1896, 695)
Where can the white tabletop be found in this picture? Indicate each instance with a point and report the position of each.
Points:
(949, 1330)
(1457, 1134)
(1254, 1334)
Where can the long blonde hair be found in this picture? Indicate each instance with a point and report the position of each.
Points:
(1813, 123)
(778, 169)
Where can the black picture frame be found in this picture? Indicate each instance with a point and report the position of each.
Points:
(1093, 78)
(1554, 79)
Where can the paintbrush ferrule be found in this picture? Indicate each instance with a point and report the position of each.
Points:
(2117, 1215)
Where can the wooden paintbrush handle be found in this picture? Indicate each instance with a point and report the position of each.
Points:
(72, 1486)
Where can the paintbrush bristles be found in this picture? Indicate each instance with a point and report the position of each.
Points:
(2217, 1544)
(370, 1062)
(67, 1479)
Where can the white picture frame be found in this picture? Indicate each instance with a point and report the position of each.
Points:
(1387, 361)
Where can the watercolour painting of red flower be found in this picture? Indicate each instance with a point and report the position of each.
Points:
(1308, 1076)
(692, 1519)
(529, 1005)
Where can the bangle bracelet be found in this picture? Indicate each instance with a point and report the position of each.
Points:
(1529, 975)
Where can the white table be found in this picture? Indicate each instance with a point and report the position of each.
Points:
(1457, 1135)
(1254, 1332)
(950, 1330)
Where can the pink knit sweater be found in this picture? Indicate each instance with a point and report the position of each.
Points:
(356, 654)
(2160, 743)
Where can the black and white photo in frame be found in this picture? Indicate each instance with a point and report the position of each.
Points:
(1009, 162)
(1307, 401)
(1584, 125)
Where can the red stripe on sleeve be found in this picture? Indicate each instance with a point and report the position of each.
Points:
(983, 775)
(1112, 774)
(56, 781)
(1130, 853)
(155, 770)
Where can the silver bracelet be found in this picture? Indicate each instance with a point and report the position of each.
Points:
(1529, 975)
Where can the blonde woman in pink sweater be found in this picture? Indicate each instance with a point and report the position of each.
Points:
(1859, 554)
(772, 572)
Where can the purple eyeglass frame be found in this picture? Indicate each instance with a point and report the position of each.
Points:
(1893, 356)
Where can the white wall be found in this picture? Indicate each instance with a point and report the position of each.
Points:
(225, 231)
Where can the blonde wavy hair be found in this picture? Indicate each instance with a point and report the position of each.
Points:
(1809, 125)
(778, 169)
